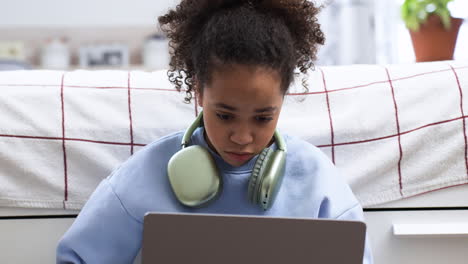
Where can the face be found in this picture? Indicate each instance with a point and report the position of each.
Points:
(241, 105)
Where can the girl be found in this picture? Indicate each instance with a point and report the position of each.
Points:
(238, 57)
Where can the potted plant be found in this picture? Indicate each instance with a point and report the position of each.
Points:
(432, 28)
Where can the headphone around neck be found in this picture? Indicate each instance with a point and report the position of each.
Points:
(195, 179)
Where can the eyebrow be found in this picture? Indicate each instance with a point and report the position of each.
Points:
(260, 110)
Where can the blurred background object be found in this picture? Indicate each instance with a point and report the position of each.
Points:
(356, 31)
(8, 65)
(12, 56)
(55, 54)
(432, 28)
(349, 29)
(373, 31)
(12, 50)
(156, 52)
(104, 55)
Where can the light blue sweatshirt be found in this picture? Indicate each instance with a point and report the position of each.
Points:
(109, 227)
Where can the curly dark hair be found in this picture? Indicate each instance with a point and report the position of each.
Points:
(206, 34)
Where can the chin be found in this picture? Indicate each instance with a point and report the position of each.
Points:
(235, 163)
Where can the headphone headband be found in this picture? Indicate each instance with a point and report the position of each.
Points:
(198, 122)
(188, 133)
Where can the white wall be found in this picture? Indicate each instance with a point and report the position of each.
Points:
(60, 13)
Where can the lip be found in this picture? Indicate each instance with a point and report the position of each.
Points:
(239, 156)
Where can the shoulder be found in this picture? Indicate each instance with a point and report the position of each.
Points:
(302, 153)
(157, 150)
(154, 155)
(172, 140)
(142, 179)
(311, 170)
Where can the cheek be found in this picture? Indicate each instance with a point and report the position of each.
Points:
(214, 129)
(266, 134)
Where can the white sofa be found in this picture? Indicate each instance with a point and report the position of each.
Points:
(397, 132)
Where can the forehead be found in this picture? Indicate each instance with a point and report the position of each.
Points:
(239, 84)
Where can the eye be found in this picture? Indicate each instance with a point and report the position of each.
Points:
(223, 117)
(263, 119)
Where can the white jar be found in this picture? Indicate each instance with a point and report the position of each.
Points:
(156, 53)
(55, 55)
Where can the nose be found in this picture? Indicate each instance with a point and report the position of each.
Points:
(241, 135)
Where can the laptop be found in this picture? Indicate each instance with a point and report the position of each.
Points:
(179, 238)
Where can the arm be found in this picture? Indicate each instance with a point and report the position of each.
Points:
(103, 232)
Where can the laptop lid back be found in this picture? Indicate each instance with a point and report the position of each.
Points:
(214, 239)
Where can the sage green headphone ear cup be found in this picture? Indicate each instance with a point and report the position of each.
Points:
(271, 179)
(193, 176)
(255, 181)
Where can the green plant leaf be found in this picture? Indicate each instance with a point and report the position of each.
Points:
(415, 12)
(445, 18)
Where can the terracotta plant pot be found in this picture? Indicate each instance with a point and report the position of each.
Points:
(433, 42)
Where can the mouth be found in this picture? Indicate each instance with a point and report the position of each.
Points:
(239, 156)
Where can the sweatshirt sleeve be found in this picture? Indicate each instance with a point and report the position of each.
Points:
(356, 214)
(104, 232)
